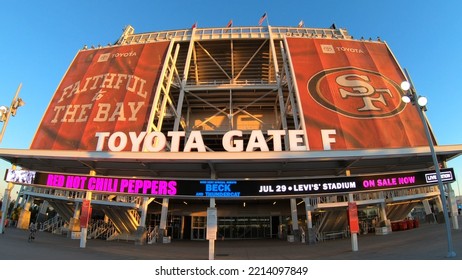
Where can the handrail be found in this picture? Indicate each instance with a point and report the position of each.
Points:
(240, 32)
(53, 224)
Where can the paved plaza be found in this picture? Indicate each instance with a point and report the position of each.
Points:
(427, 242)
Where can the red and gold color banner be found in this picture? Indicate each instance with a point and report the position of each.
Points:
(104, 90)
(351, 97)
(353, 217)
(85, 213)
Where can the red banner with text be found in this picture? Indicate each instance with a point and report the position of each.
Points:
(104, 90)
(351, 97)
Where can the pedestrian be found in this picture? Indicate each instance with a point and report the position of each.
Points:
(32, 231)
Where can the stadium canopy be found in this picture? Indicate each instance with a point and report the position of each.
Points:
(226, 165)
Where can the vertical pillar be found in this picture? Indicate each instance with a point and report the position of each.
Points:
(20, 197)
(163, 220)
(439, 209)
(383, 212)
(212, 228)
(212, 202)
(5, 202)
(429, 215)
(294, 217)
(25, 199)
(144, 211)
(311, 236)
(452, 202)
(42, 213)
(281, 102)
(74, 223)
(141, 233)
(354, 234)
(5, 206)
(452, 206)
(84, 230)
(182, 227)
(184, 80)
(24, 216)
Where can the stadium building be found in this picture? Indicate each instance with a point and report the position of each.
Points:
(230, 133)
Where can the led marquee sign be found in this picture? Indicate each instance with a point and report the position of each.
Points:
(225, 188)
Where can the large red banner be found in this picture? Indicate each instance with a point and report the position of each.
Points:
(104, 90)
(350, 95)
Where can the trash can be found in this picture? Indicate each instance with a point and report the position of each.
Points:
(416, 223)
(403, 225)
(410, 224)
(394, 226)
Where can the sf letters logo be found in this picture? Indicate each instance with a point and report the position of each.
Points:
(356, 93)
(360, 87)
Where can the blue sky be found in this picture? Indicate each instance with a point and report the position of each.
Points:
(41, 38)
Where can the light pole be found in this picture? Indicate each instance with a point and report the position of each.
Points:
(7, 112)
(420, 102)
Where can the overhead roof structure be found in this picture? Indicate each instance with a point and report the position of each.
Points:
(230, 165)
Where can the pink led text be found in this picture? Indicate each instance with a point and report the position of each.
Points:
(148, 186)
(116, 185)
(389, 182)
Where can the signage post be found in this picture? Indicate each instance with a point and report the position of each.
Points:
(85, 215)
(354, 223)
(211, 230)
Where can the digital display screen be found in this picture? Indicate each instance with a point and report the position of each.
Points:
(229, 188)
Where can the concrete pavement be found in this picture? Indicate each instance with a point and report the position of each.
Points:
(427, 242)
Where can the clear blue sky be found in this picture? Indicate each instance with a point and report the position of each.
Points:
(41, 38)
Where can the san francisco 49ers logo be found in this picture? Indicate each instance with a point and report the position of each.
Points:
(356, 93)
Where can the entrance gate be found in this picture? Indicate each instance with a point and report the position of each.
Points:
(234, 227)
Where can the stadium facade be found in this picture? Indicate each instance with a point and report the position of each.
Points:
(258, 132)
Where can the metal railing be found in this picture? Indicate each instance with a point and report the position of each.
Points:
(99, 229)
(53, 225)
(243, 32)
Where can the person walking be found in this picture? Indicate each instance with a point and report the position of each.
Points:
(32, 231)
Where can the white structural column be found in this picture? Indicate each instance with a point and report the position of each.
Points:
(144, 211)
(280, 93)
(163, 220)
(5, 202)
(294, 216)
(84, 230)
(212, 227)
(452, 203)
(309, 221)
(452, 207)
(141, 233)
(184, 79)
(383, 212)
